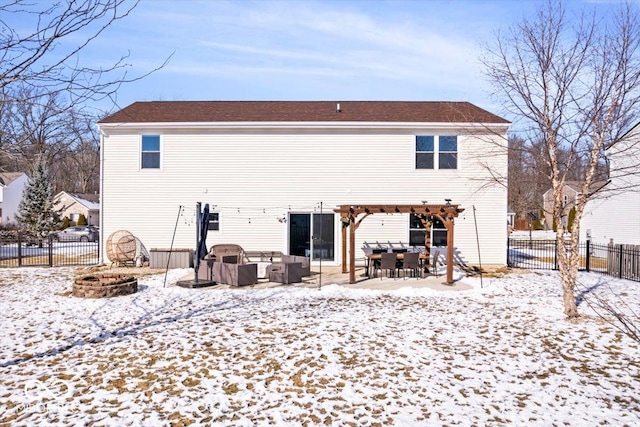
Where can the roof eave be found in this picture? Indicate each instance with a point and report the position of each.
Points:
(302, 125)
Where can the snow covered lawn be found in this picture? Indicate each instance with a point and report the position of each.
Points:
(296, 356)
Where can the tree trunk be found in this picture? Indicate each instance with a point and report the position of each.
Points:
(568, 280)
(568, 261)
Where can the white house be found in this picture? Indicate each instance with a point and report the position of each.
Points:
(273, 173)
(11, 190)
(73, 205)
(615, 214)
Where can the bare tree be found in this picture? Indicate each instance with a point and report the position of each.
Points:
(63, 136)
(527, 180)
(574, 85)
(45, 84)
(78, 171)
(36, 55)
(39, 127)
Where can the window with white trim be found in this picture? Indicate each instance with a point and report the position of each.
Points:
(447, 152)
(214, 221)
(436, 152)
(150, 152)
(424, 151)
(416, 231)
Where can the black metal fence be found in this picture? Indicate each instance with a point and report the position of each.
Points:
(18, 249)
(621, 261)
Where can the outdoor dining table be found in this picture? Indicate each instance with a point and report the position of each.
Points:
(371, 258)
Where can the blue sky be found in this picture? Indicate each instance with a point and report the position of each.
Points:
(310, 50)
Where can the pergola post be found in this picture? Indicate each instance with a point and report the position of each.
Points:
(344, 248)
(449, 225)
(352, 253)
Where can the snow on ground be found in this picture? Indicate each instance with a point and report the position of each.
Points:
(290, 356)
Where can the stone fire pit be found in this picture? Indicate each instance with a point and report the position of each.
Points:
(104, 285)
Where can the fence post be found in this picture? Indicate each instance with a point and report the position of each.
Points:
(588, 260)
(620, 263)
(50, 241)
(19, 249)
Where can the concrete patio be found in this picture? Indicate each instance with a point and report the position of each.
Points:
(334, 276)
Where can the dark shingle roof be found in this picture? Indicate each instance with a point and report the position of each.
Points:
(301, 111)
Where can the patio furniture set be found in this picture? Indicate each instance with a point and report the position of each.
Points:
(229, 264)
(393, 259)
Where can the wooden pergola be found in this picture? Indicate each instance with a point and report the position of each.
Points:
(349, 216)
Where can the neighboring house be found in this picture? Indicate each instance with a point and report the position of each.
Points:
(73, 205)
(615, 214)
(511, 218)
(11, 190)
(570, 194)
(273, 173)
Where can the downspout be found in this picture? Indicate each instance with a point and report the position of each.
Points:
(102, 241)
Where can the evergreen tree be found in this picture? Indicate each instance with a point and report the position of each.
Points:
(36, 214)
(572, 218)
(82, 220)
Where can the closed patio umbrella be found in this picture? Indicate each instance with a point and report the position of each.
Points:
(201, 249)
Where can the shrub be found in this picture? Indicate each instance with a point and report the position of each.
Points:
(572, 218)
(82, 220)
(65, 223)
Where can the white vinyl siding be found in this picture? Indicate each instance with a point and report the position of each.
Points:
(255, 180)
(614, 214)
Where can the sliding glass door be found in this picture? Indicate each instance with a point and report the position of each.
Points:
(312, 234)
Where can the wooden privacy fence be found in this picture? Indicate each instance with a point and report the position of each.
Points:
(624, 261)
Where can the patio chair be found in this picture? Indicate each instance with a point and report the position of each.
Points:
(434, 262)
(304, 260)
(388, 262)
(219, 251)
(411, 262)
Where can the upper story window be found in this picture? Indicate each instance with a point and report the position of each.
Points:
(424, 152)
(150, 153)
(448, 152)
(436, 152)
